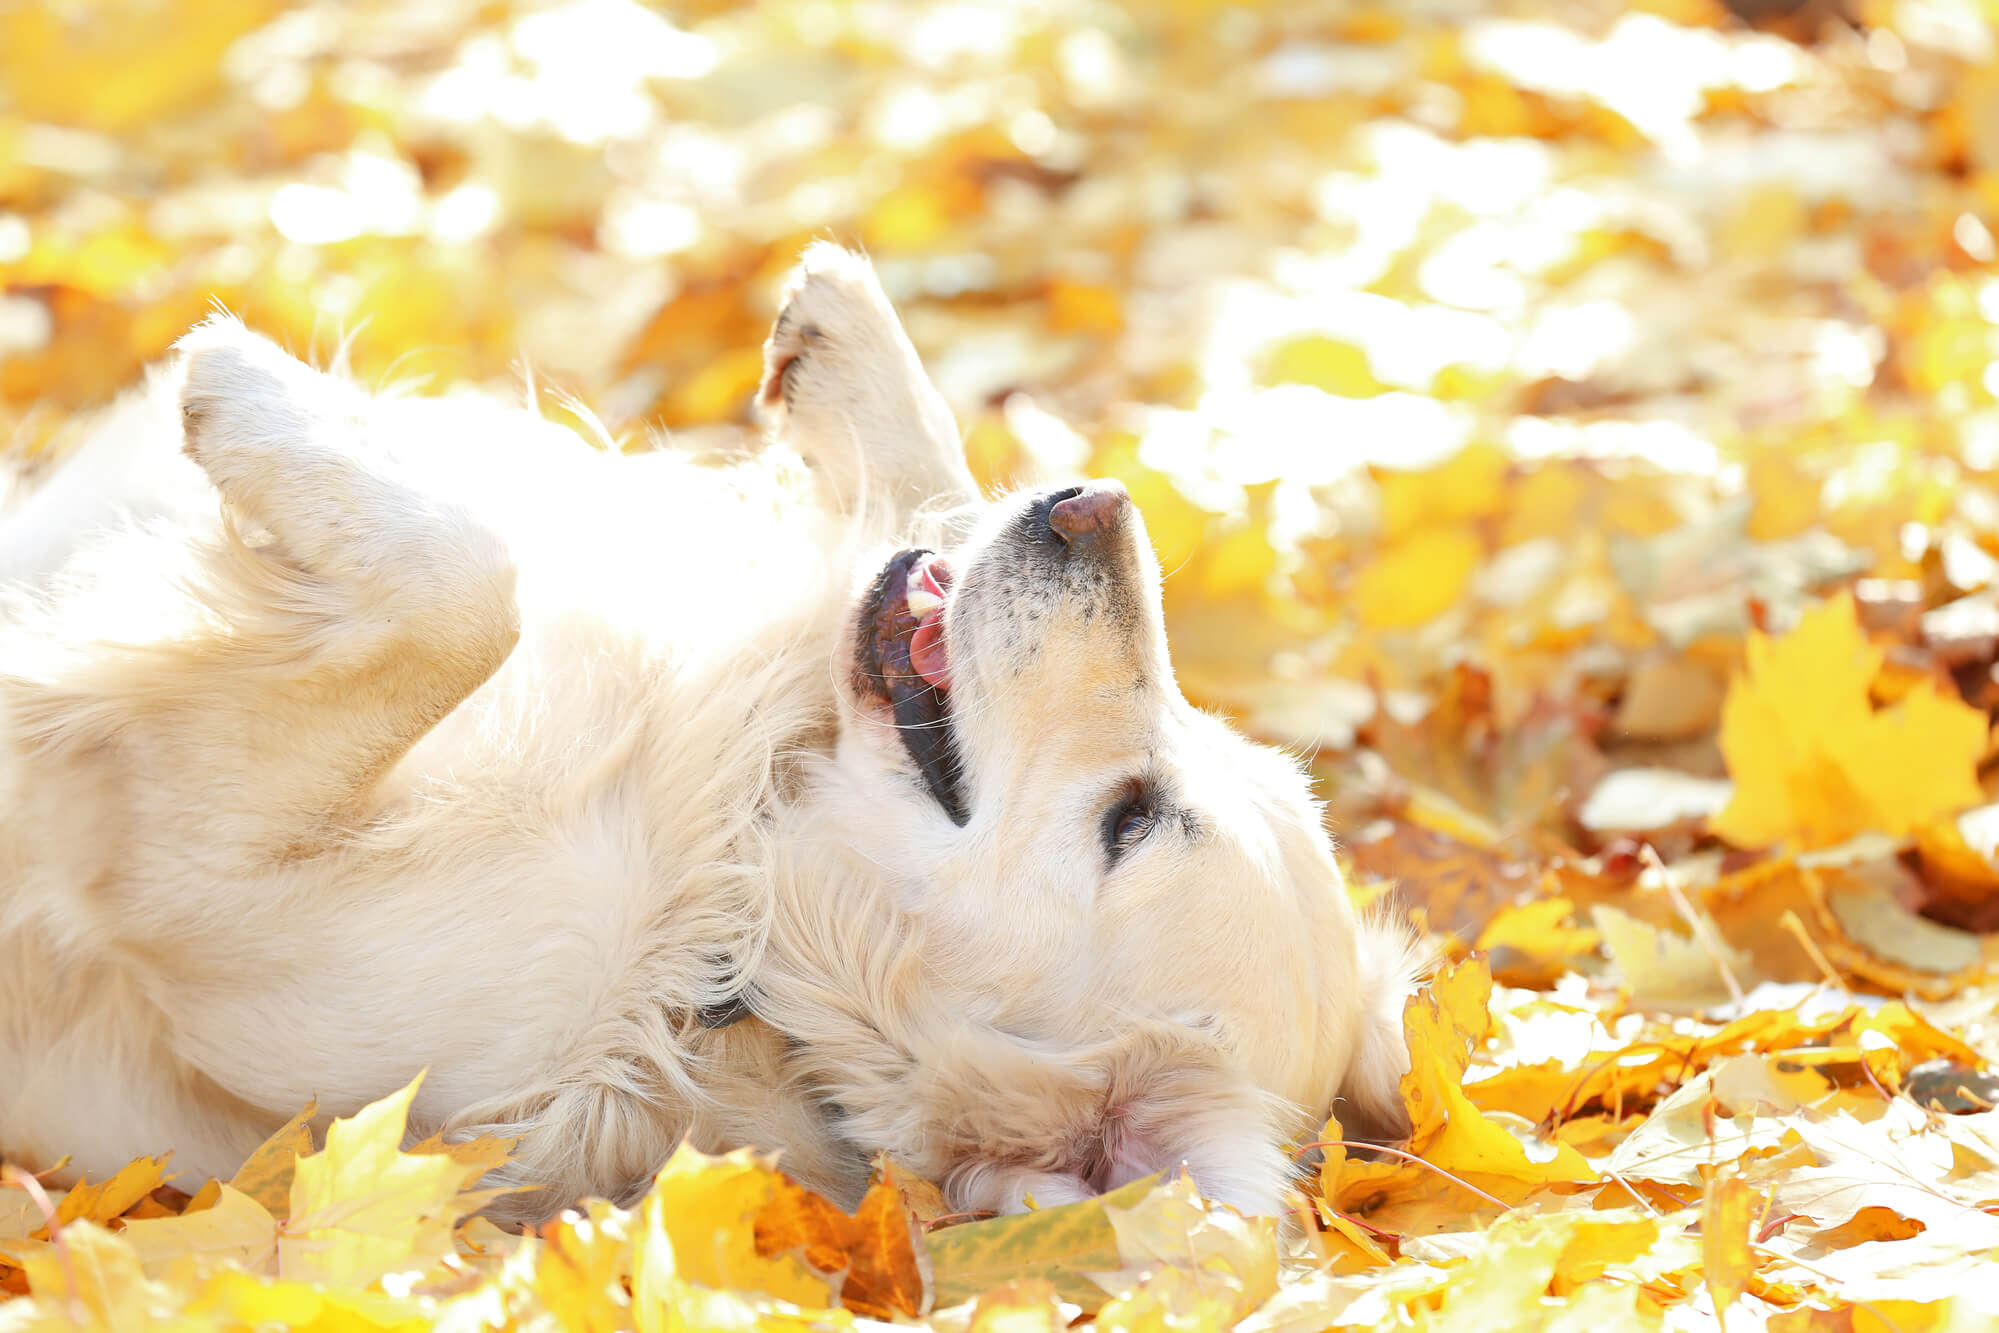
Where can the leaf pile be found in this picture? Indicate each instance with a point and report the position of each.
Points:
(1574, 428)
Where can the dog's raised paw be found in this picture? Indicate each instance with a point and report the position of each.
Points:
(843, 386)
(835, 311)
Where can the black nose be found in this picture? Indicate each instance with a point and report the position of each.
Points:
(1090, 513)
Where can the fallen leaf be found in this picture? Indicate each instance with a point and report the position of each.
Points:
(1535, 943)
(1814, 763)
(1685, 1138)
(1223, 1250)
(1324, 363)
(877, 1254)
(1500, 465)
(237, 1230)
(362, 1207)
(1662, 967)
(710, 1206)
(266, 1174)
(1729, 1209)
(1060, 1246)
(97, 1280)
(1467, 1151)
(1895, 1163)
(110, 1198)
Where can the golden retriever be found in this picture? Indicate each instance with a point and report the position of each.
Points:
(802, 801)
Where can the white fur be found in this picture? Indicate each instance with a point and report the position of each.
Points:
(444, 741)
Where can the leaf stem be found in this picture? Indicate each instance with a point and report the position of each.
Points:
(1462, 1184)
(27, 1184)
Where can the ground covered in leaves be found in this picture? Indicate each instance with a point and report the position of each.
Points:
(1574, 427)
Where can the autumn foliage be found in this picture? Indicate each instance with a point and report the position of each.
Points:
(1573, 429)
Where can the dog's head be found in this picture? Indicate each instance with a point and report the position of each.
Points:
(1118, 941)
(1136, 948)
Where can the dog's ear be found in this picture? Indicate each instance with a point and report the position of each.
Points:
(842, 385)
(238, 386)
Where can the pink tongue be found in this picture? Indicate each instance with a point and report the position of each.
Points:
(926, 651)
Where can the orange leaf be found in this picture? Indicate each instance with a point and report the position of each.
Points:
(109, 1199)
(887, 1271)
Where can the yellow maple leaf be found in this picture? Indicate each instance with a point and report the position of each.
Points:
(1443, 1024)
(1061, 1245)
(707, 1207)
(236, 1230)
(1159, 1300)
(364, 1207)
(1029, 1305)
(875, 1254)
(1347, 1247)
(707, 1192)
(656, 1288)
(1813, 761)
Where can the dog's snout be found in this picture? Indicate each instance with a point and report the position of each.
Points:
(1089, 513)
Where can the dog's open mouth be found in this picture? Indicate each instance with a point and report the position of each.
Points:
(903, 660)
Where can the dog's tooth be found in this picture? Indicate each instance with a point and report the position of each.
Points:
(923, 597)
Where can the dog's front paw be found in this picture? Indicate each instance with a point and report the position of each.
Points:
(843, 386)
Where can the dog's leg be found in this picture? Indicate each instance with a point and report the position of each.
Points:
(842, 385)
(378, 607)
(341, 616)
(183, 740)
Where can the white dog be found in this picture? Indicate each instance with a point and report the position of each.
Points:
(641, 798)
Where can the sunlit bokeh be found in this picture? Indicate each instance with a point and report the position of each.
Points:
(1427, 335)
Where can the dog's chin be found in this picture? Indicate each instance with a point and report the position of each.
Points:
(902, 663)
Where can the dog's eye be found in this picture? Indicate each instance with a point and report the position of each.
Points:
(1129, 819)
(1134, 825)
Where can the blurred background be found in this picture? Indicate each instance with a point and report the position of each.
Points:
(1486, 372)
